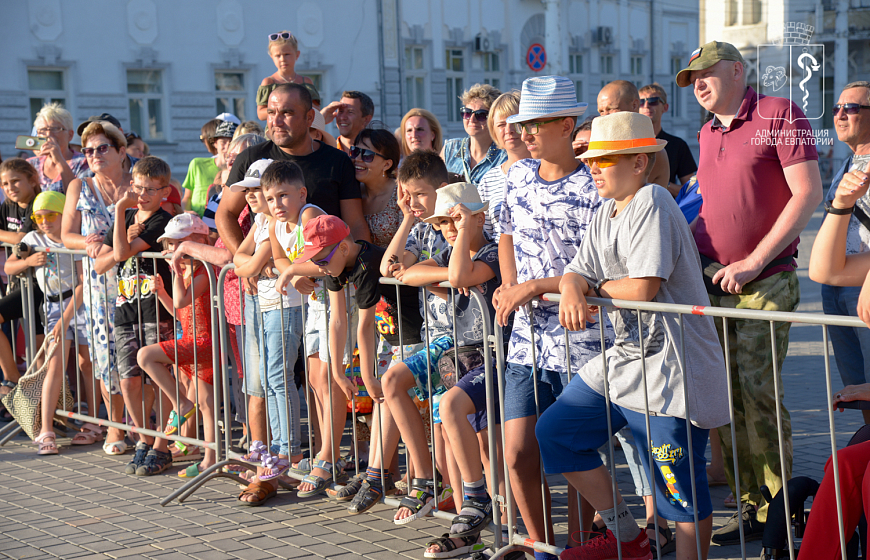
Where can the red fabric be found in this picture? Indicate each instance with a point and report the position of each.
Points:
(234, 344)
(740, 173)
(201, 343)
(232, 303)
(822, 536)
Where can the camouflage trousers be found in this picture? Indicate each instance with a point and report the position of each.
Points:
(752, 385)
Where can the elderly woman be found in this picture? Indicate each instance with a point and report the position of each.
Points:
(87, 216)
(420, 130)
(56, 163)
(473, 156)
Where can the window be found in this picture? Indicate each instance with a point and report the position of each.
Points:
(455, 67)
(578, 85)
(45, 86)
(230, 88)
(827, 87)
(606, 63)
(415, 78)
(731, 12)
(675, 95)
(145, 92)
(492, 70)
(575, 63)
(637, 70)
(316, 79)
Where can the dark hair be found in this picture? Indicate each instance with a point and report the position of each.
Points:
(301, 91)
(585, 125)
(152, 167)
(656, 88)
(19, 165)
(280, 172)
(368, 106)
(206, 134)
(385, 143)
(423, 165)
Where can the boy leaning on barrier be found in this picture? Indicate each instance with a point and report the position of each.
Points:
(638, 247)
(139, 222)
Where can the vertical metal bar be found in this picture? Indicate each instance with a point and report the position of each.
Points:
(286, 428)
(216, 366)
(570, 373)
(194, 378)
(781, 441)
(158, 393)
(538, 417)
(328, 406)
(309, 402)
(603, 311)
(226, 346)
(682, 358)
(75, 323)
(834, 458)
(727, 349)
(431, 401)
(263, 368)
(349, 344)
(500, 372)
(651, 475)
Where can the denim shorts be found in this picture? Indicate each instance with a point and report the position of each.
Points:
(78, 325)
(127, 346)
(519, 390)
(252, 385)
(473, 384)
(316, 330)
(851, 344)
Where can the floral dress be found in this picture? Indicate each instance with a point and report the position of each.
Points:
(77, 164)
(190, 345)
(100, 290)
(385, 223)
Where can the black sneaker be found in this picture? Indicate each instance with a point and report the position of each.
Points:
(753, 529)
(155, 463)
(142, 450)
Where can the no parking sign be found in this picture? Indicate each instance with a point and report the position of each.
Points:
(536, 57)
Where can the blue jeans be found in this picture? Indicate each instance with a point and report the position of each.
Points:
(252, 385)
(851, 344)
(279, 344)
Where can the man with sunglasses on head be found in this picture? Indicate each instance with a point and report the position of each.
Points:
(758, 197)
(622, 95)
(654, 104)
(851, 345)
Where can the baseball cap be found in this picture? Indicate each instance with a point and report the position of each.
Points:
(225, 130)
(103, 117)
(252, 175)
(707, 56)
(457, 193)
(321, 232)
(183, 225)
(174, 197)
(229, 117)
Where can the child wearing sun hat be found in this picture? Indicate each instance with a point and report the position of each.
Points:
(638, 247)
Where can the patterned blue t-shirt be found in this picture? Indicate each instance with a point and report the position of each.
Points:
(425, 242)
(548, 220)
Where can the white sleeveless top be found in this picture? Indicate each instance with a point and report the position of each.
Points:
(293, 244)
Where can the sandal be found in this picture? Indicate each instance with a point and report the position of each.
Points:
(256, 452)
(419, 501)
(262, 492)
(87, 436)
(320, 484)
(477, 522)
(369, 494)
(185, 453)
(730, 502)
(302, 468)
(276, 466)
(350, 489)
(110, 446)
(175, 423)
(450, 549)
(47, 443)
(668, 543)
(192, 471)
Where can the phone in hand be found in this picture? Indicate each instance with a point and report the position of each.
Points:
(29, 143)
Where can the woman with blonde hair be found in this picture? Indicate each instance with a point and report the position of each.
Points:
(420, 130)
(56, 162)
(473, 156)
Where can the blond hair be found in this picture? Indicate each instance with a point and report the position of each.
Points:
(484, 92)
(281, 42)
(437, 143)
(54, 112)
(506, 105)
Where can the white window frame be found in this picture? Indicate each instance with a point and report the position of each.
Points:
(492, 76)
(455, 82)
(675, 99)
(636, 67)
(575, 72)
(233, 95)
(47, 96)
(147, 97)
(416, 92)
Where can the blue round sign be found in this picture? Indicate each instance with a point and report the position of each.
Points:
(536, 57)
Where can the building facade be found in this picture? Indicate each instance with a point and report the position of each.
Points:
(164, 68)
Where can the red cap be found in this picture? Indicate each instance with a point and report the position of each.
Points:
(321, 232)
(174, 197)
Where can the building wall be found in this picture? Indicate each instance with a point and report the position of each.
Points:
(368, 45)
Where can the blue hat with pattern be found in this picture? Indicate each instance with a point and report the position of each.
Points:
(548, 96)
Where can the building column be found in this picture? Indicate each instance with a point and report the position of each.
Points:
(841, 67)
(553, 36)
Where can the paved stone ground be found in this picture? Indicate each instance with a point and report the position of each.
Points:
(80, 505)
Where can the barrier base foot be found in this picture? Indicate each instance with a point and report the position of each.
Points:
(12, 429)
(214, 471)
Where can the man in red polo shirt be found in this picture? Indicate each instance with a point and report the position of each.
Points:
(760, 181)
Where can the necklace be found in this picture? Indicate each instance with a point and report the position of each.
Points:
(292, 80)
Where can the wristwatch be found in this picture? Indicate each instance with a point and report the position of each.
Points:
(838, 211)
(597, 287)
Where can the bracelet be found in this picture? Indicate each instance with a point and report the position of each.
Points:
(597, 287)
(7, 383)
(829, 208)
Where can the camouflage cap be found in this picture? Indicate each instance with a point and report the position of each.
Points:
(707, 56)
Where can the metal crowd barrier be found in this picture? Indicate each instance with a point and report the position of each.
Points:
(226, 456)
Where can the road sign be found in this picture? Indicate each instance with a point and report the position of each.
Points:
(536, 57)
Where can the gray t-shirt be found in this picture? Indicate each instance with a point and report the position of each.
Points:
(650, 238)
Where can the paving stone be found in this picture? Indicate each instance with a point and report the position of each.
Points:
(228, 545)
(64, 550)
(137, 550)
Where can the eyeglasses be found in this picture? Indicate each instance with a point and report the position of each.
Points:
(532, 127)
(325, 262)
(479, 115)
(101, 149)
(651, 101)
(364, 154)
(46, 130)
(602, 162)
(40, 219)
(150, 191)
(850, 108)
(284, 35)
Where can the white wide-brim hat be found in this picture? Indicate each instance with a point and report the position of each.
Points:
(622, 133)
(319, 122)
(456, 193)
(548, 96)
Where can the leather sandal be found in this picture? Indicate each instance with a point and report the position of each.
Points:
(262, 491)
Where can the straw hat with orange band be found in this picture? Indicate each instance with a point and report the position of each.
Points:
(622, 133)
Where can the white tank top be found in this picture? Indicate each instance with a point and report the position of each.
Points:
(293, 244)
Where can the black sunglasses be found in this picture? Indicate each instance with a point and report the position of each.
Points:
(850, 108)
(275, 36)
(651, 101)
(364, 154)
(101, 149)
(479, 115)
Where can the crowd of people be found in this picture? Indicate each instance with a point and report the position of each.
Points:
(534, 200)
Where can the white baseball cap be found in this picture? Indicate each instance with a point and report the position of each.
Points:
(252, 175)
(183, 225)
(229, 117)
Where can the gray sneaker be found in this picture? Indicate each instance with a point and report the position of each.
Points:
(753, 529)
(142, 450)
(155, 463)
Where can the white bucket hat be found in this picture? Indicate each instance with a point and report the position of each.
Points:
(548, 96)
(456, 193)
(183, 225)
(252, 175)
(319, 122)
(622, 133)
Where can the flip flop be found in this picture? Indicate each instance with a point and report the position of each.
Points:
(175, 423)
(192, 471)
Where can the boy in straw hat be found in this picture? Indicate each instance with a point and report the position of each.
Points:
(638, 247)
(549, 202)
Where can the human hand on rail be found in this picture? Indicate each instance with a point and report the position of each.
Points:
(397, 271)
(852, 187)
(175, 263)
(574, 312)
(157, 284)
(506, 299)
(283, 279)
(851, 393)
(269, 269)
(303, 284)
(134, 231)
(374, 388)
(733, 277)
(93, 249)
(344, 384)
(36, 259)
(250, 285)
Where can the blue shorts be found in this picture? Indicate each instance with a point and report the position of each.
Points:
(417, 363)
(519, 391)
(572, 430)
(473, 384)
